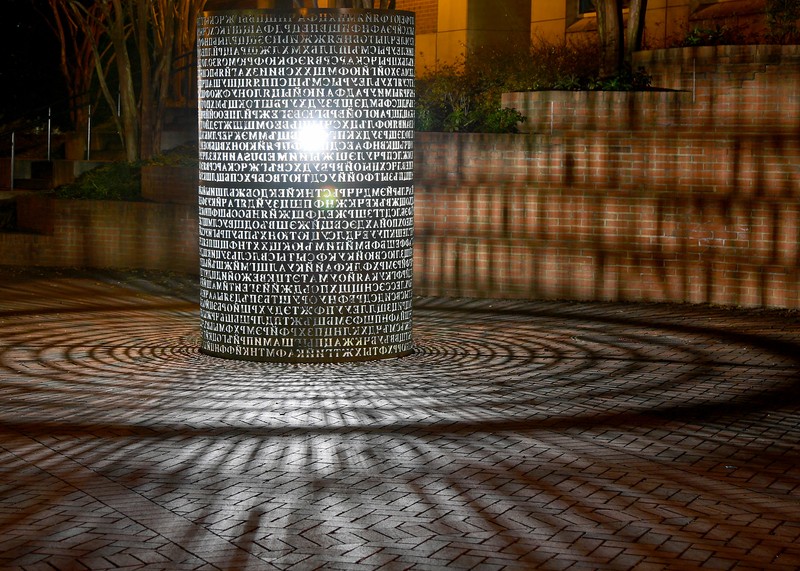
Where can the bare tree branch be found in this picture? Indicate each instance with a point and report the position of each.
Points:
(159, 29)
(76, 57)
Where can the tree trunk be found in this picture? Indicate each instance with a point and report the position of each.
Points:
(127, 92)
(111, 21)
(635, 29)
(609, 28)
(148, 118)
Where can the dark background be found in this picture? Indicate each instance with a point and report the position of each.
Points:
(30, 78)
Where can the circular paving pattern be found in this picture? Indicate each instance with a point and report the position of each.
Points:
(475, 362)
(519, 435)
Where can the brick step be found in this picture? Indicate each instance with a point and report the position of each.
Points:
(33, 183)
(39, 176)
(8, 214)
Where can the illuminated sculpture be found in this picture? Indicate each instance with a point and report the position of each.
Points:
(305, 183)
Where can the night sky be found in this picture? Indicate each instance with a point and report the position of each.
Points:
(29, 74)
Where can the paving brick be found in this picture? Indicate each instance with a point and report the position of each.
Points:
(519, 435)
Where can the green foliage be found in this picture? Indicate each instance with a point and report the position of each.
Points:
(122, 180)
(720, 35)
(547, 65)
(462, 101)
(782, 17)
(181, 156)
(112, 181)
(466, 98)
(627, 80)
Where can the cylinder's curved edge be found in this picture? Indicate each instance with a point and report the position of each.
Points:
(307, 361)
(231, 342)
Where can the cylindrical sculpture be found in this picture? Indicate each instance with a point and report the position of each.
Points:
(306, 134)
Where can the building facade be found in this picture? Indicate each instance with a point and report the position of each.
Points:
(447, 30)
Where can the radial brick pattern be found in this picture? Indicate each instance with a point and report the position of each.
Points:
(519, 435)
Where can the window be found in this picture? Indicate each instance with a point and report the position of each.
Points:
(585, 6)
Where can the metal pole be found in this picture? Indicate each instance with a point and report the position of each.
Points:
(49, 130)
(89, 135)
(12, 159)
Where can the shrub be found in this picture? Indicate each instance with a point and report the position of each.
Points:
(457, 100)
(180, 156)
(112, 181)
(547, 65)
(626, 80)
(122, 180)
(782, 17)
(720, 35)
(466, 97)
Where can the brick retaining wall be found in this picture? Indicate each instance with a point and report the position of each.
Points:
(102, 234)
(713, 89)
(669, 207)
(614, 216)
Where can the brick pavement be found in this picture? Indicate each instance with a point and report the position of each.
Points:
(520, 435)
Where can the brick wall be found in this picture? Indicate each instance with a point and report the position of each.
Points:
(560, 111)
(102, 234)
(176, 185)
(609, 209)
(605, 216)
(609, 216)
(427, 14)
(734, 88)
(723, 88)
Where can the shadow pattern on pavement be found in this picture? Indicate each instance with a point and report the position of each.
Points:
(520, 435)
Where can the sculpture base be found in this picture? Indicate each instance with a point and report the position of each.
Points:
(307, 361)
